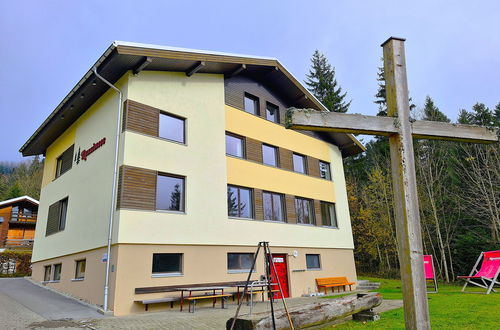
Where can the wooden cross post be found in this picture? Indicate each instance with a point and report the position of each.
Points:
(401, 131)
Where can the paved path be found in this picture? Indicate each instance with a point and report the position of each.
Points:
(24, 305)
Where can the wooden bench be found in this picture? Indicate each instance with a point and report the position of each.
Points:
(333, 282)
(147, 302)
(192, 300)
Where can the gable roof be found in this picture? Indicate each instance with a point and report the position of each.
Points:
(122, 56)
(19, 199)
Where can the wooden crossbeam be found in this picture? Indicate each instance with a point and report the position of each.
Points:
(238, 70)
(195, 68)
(147, 60)
(401, 131)
(313, 120)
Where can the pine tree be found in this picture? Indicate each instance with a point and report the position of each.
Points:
(322, 83)
(432, 113)
(381, 96)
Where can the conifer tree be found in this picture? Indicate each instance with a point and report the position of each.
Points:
(322, 83)
(432, 113)
(381, 97)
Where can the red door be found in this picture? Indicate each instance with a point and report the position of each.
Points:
(281, 270)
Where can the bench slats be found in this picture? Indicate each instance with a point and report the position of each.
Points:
(208, 296)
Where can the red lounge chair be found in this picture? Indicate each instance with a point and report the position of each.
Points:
(430, 274)
(490, 269)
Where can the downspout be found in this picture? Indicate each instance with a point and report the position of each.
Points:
(113, 193)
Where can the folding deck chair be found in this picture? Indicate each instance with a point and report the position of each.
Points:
(490, 269)
(430, 274)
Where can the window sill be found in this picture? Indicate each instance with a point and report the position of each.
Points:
(240, 218)
(54, 281)
(275, 221)
(307, 224)
(77, 279)
(240, 271)
(172, 212)
(330, 227)
(160, 275)
(156, 137)
(313, 269)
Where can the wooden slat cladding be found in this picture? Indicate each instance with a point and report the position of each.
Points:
(236, 87)
(137, 188)
(53, 218)
(141, 118)
(317, 212)
(286, 159)
(291, 216)
(253, 150)
(258, 204)
(313, 166)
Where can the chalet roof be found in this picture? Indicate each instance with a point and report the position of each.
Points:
(19, 199)
(122, 56)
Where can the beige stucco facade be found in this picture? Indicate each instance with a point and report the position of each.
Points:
(203, 233)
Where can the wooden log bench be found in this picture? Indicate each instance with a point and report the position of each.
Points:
(333, 282)
(147, 302)
(193, 299)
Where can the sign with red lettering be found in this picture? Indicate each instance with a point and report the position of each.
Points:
(85, 153)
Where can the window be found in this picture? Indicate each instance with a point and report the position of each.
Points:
(56, 219)
(270, 155)
(272, 112)
(46, 274)
(172, 128)
(328, 215)
(80, 269)
(167, 263)
(304, 210)
(324, 170)
(251, 104)
(235, 146)
(64, 161)
(312, 262)
(57, 272)
(299, 163)
(239, 202)
(273, 206)
(170, 193)
(239, 261)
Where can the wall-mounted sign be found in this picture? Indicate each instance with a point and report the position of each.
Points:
(85, 153)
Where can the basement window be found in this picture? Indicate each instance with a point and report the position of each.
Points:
(167, 264)
(80, 269)
(239, 262)
(46, 273)
(57, 272)
(312, 262)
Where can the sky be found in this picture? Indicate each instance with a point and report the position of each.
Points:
(452, 47)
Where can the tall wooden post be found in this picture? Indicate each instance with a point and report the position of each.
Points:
(405, 188)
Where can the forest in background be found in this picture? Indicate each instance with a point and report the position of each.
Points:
(458, 186)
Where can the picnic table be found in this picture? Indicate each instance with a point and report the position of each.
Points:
(210, 292)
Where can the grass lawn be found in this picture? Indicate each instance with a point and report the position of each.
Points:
(449, 309)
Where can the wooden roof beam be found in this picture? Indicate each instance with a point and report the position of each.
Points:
(237, 71)
(147, 60)
(195, 68)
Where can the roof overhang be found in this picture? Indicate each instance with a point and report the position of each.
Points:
(121, 57)
(18, 200)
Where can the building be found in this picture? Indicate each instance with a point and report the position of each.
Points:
(206, 170)
(17, 222)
